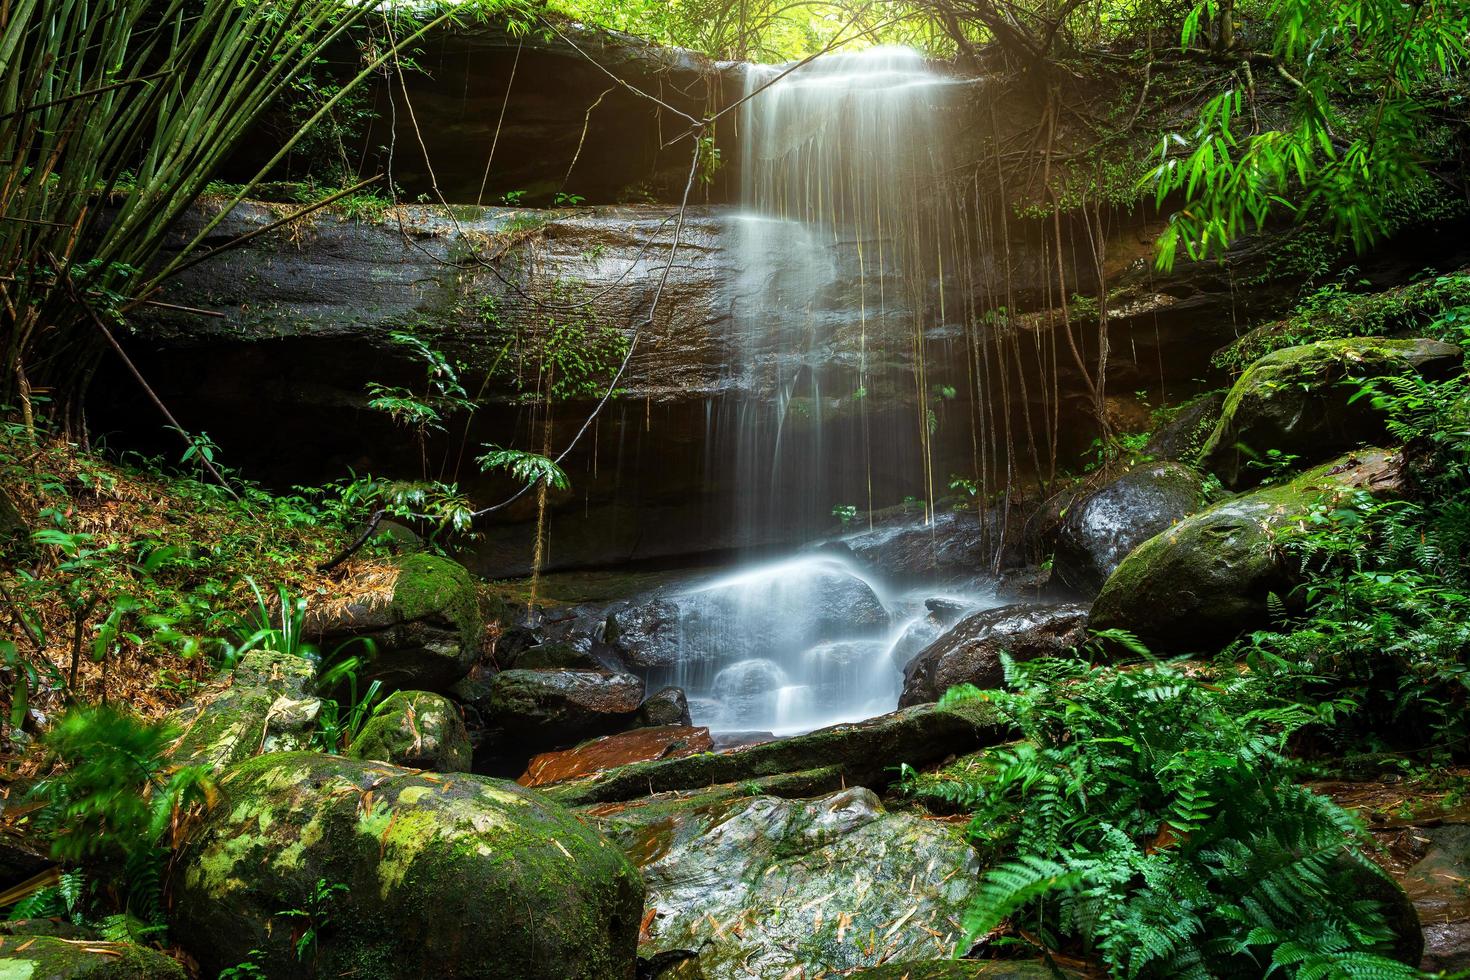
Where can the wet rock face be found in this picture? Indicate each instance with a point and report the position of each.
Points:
(611, 751)
(1180, 439)
(950, 548)
(645, 634)
(755, 885)
(1435, 884)
(416, 730)
(1298, 401)
(1206, 579)
(532, 710)
(970, 652)
(1100, 528)
(465, 877)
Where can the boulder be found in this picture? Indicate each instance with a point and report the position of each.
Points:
(1207, 579)
(668, 706)
(533, 710)
(1100, 528)
(970, 652)
(866, 753)
(416, 730)
(467, 877)
(763, 886)
(426, 637)
(645, 634)
(951, 547)
(30, 957)
(940, 614)
(264, 706)
(611, 751)
(1299, 402)
(1180, 439)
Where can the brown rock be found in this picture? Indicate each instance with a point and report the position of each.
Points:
(599, 755)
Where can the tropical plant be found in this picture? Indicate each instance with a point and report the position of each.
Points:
(1152, 821)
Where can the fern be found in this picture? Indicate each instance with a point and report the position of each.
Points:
(528, 468)
(1152, 821)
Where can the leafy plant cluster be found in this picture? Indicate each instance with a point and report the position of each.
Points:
(1150, 820)
(1438, 306)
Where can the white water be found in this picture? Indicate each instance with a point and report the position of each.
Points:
(797, 643)
(836, 240)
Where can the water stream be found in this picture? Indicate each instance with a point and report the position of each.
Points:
(836, 242)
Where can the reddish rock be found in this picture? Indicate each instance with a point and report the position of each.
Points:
(639, 745)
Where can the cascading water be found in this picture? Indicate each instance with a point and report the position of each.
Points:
(837, 241)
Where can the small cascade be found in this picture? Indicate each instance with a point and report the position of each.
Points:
(793, 644)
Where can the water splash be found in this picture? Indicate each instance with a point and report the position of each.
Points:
(795, 644)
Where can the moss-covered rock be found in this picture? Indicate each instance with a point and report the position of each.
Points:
(459, 876)
(426, 637)
(417, 730)
(1207, 579)
(798, 883)
(51, 958)
(867, 753)
(1295, 401)
(264, 706)
(1183, 435)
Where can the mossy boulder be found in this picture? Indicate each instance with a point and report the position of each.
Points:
(1299, 402)
(1184, 434)
(1207, 579)
(761, 886)
(426, 637)
(866, 753)
(263, 706)
(1100, 527)
(970, 652)
(29, 957)
(460, 876)
(416, 730)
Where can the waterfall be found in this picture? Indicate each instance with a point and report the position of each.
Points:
(836, 243)
(839, 246)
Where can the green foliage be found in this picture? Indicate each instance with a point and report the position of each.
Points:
(339, 722)
(316, 916)
(1437, 306)
(845, 513)
(1152, 821)
(117, 801)
(1340, 156)
(528, 468)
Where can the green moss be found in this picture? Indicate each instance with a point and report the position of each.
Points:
(432, 586)
(415, 729)
(50, 958)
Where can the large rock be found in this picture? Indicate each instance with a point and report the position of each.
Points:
(645, 634)
(426, 637)
(264, 706)
(1180, 439)
(1100, 528)
(970, 970)
(539, 709)
(1207, 579)
(865, 753)
(765, 886)
(668, 706)
(1298, 401)
(970, 652)
(1436, 886)
(951, 547)
(29, 957)
(463, 877)
(416, 730)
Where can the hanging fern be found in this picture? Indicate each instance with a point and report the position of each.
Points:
(528, 468)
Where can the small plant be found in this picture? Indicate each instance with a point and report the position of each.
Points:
(339, 723)
(844, 513)
(316, 916)
(1274, 463)
(513, 199)
(564, 200)
(528, 468)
